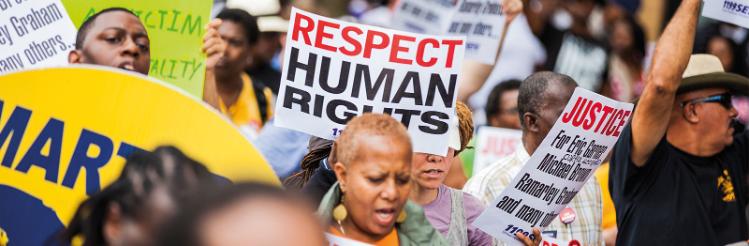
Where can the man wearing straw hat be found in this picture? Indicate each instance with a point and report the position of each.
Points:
(678, 172)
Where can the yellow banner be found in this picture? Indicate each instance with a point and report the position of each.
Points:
(63, 132)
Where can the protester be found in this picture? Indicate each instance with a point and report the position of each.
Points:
(244, 214)
(151, 188)
(370, 201)
(575, 51)
(541, 99)
(113, 37)
(502, 105)
(248, 104)
(450, 211)
(265, 66)
(678, 172)
(626, 63)
(462, 130)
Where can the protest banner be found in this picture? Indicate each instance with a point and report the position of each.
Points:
(176, 30)
(423, 16)
(576, 145)
(65, 132)
(482, 22)
(34, 34)
(334, 240)
(334, 71)
(731, 11)
(493, 144)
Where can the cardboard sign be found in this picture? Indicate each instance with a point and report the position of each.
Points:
(423, 16)
(493, 144)
(64, 132)
(482, 22)
(335, 70)
(731, 11)
(576, 145)
(334, 240)
(176, 30)
(34, 34)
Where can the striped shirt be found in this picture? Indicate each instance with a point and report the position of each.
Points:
(586, 228)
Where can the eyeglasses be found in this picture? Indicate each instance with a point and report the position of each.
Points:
(724, 100)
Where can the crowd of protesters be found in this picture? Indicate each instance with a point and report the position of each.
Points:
(677, 175)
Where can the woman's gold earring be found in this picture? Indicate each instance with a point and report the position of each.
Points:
(339, 212)
(402, 216)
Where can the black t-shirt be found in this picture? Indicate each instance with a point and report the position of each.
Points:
(678, 198)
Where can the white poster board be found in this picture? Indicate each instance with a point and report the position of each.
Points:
(576, 145)
(34, 34)
(731, 11)
(482, 22)
(494, 143)
(423, 16)
(335, 70)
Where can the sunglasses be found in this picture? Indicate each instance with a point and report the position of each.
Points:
(724, 100)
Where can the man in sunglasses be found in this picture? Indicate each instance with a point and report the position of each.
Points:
(678, 172)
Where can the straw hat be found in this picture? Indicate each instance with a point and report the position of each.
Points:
(706, 71)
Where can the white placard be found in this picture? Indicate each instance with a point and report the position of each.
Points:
(482, 22)
(335, 70)
(334, 240)
(731, 11)
(576, 145)
(493, 144)
(34, 34)
(423, 16)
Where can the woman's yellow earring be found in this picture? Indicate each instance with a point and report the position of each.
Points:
(401, 216)
(339, 212)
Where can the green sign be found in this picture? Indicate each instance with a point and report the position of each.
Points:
(176, 31)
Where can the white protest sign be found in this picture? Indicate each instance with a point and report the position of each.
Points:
(334, 71)
(334, 240)
(33, 34)
(482, 22)
(493, 144)
(423, 16)
(731, 11)
(575, 146)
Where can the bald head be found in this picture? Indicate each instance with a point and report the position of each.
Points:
(541, 99)
(363, 128)
(542, 89)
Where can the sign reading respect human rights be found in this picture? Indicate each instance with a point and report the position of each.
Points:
(334, 71)
(576, 145)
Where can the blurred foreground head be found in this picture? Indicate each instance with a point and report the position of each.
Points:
(113, 37)
(245, 214)
(150, 189)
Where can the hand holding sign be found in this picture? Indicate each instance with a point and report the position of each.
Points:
(511, 9)
(564, 161)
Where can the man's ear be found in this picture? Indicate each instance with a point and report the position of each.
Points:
(112, 223)
(690, 113)
(75, 57)
(530, 121)
(340, 174)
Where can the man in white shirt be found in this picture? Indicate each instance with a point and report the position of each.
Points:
(541, 99)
